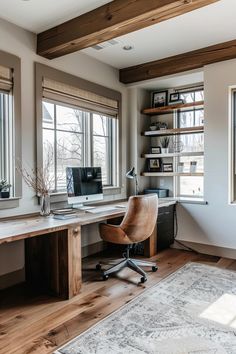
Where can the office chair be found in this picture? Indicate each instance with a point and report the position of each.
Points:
(138, 224)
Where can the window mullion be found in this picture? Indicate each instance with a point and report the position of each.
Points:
(55, 146)
(91, 152)
(110, 153)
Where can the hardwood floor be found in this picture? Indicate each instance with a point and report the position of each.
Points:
(31, 323)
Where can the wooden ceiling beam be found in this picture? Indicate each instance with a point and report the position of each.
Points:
(112, 20)
(179, 63)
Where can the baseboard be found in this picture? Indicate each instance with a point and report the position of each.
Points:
(12, 278)
(209, 249)
(93, 248)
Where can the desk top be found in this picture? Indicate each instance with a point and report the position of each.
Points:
(25, 227)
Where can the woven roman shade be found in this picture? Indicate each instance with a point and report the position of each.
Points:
(6, 79)
(75, 96)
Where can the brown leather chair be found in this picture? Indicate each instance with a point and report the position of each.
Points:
(137, 225)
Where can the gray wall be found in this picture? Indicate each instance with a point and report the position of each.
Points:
(23, 44)
(215, 223)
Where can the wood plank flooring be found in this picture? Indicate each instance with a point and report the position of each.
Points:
(31, 323)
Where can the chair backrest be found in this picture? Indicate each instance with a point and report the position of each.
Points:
(140, 218)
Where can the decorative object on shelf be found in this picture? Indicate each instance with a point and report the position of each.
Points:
(41, 181)
(5, 189)
(180, 167)
(153, 126)
(159, 99)
(193, 166)
(165, 141)
(155, 165)
(175, 98)
(155, 150)
(163, 126)
(167, 167)
(158, 126)
(132, 175)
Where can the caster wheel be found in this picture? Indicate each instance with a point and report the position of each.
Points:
(105, 277)
(154, 268)
(143, 279)
(98, 267)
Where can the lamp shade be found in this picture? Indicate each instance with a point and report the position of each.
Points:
(131, 173)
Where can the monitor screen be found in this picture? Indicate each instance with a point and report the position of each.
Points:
(84, 183)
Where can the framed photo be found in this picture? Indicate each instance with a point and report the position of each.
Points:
(174, 97)
(167, 167)
(159, 99)
(154, 165)
(155, 150)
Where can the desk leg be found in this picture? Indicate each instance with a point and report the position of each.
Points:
(53, 262)
(69, 265)
(150, 245)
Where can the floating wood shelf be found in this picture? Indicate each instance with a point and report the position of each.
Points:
(170, 109)
(177, 154)
(171, 174)
(176, 131)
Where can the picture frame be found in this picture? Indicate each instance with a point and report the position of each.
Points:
(175, 96)
(167, 167)
(155, 150)
(155, 165)
(159, 99)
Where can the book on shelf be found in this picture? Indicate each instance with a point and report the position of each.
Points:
(175, 102)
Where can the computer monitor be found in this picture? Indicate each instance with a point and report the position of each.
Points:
(84, 184)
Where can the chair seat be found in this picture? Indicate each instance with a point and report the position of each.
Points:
(114, 234)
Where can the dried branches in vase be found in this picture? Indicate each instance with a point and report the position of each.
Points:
(41, 181)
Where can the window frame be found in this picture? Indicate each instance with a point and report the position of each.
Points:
(14, 63)
(87, 140)
(42, 71)
(177, 179)
(232, 146)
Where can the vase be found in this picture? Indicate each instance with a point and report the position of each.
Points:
(5, 194)
(45, 205)
(164, 150)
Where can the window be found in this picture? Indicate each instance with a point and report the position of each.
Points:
(192, 146)
(78, 124)
(7, 123)
(77, 137)
(232, 159)
(6, 137)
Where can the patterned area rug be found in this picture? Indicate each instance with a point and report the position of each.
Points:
(193, 311)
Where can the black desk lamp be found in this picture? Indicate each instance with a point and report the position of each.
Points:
(132, 175)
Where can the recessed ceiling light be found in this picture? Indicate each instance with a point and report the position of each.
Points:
(128, 47)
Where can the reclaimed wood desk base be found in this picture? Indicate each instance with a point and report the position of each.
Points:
(53, 248)
(53, 262)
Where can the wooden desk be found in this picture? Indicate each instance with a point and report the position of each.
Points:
(53, 248)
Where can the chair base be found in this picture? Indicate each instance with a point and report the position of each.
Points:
(131, 263)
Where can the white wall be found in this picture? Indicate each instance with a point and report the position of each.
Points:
(215, 223)
(23, 44)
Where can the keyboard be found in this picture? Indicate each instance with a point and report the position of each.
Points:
(102, 209)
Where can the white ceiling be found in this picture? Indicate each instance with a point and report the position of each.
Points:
(40, 15)
(197, 29)
(209, 25)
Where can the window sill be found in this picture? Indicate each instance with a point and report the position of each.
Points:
(62, 197)
(111, 190)
(191, 201)
(9, 203)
